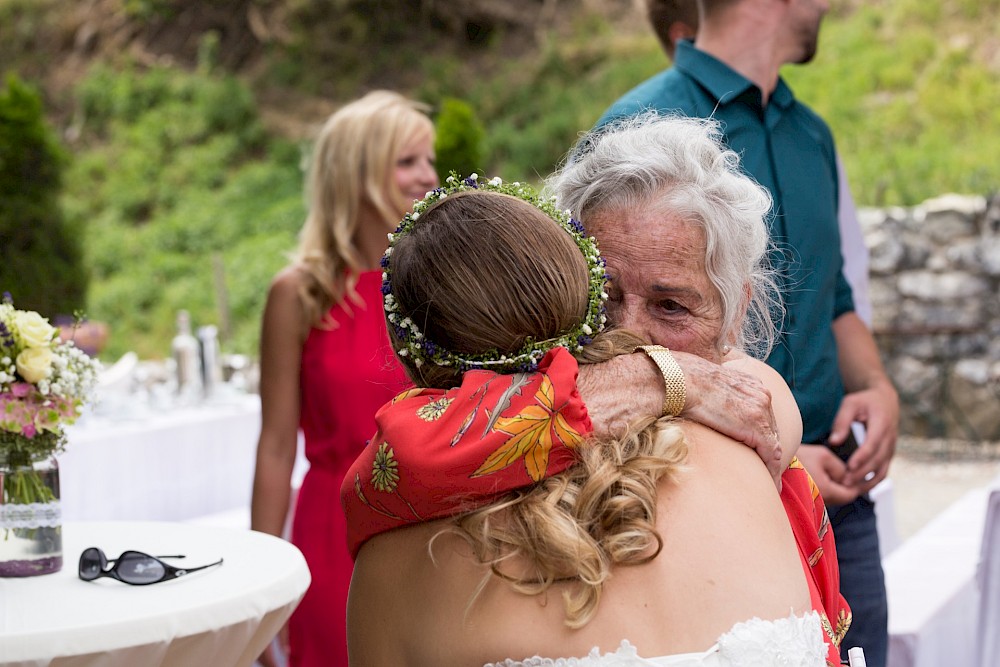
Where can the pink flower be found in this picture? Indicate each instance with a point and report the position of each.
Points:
(20, 389)
(29, 431)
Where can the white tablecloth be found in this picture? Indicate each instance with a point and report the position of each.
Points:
(219, 617)
(168, 466)
(988, 581)
(933, 596)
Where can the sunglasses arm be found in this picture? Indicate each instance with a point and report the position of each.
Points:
(179, 572)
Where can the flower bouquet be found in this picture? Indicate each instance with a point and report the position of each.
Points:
(44, 382)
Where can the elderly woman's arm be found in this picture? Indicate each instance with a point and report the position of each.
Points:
(734, 399)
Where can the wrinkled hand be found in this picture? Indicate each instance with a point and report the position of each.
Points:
(829, 473)
(629, 387)
(733, 403)
(878, 409)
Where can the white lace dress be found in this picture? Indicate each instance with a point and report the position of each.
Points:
(796, 641)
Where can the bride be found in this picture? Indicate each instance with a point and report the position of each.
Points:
(519, 541)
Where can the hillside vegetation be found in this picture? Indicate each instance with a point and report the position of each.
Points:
(188, 122)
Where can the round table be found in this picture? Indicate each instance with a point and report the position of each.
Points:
(220, 616)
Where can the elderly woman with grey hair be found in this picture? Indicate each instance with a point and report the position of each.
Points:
(662, 537)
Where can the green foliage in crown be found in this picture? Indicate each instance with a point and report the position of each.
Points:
(421, 350)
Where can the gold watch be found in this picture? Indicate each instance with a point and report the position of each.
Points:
(673, 378)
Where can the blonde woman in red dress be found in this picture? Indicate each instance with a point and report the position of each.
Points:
(326, 363)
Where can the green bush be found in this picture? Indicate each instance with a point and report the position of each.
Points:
(459, 144)
(180, 173)
(41, 262)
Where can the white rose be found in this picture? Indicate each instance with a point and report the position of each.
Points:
(34, 363)
(34, 329)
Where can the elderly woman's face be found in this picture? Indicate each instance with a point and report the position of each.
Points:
(659, 287)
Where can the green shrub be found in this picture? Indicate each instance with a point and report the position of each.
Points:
(41, 262)
(459, 144)
(181, 172)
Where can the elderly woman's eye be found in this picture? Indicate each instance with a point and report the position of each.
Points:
(672, 306)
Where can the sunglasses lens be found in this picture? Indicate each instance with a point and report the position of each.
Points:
(137, 568)
(90, 564)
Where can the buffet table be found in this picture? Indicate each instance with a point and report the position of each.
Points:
(222, 616)
(167, 465)
(933, 594)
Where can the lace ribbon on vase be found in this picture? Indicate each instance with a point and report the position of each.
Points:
(32, 515)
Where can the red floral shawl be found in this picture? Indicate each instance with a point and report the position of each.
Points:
(438, 453)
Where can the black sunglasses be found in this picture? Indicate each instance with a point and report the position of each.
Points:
(132, 567)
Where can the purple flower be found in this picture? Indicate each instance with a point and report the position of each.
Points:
(386, 288)
(6, 336)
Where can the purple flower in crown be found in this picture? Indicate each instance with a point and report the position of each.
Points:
(577, 226)
(471, 182)
(584, 340)
(386, 287)
(7, 298)
(429, 347)
(384, 262)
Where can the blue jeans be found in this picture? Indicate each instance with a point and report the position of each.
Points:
(862, 582)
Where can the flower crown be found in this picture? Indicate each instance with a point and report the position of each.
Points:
(420, 349)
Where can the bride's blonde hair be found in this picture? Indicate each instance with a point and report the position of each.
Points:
(484, 271)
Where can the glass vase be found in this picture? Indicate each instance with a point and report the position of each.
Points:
(30, 515)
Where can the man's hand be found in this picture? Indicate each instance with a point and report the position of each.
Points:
(871, 399)
(828, 471)
(878, 409)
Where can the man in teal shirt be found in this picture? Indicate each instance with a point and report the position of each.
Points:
(826, 354)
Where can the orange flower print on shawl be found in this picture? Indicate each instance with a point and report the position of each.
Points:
(532, 431)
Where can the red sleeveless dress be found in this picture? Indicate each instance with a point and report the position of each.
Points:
(347, 374)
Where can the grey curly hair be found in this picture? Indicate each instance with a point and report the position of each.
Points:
(682, 163)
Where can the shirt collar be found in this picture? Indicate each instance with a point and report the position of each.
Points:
(722, 82)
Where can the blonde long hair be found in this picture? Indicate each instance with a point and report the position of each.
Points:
(484, 271)
(351, 168)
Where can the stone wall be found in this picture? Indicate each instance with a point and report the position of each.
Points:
(935, 281)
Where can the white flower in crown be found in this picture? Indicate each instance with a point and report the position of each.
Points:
(419, 349)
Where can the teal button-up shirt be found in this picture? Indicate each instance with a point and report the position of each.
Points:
(789, 150)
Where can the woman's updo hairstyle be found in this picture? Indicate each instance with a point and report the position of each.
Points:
(464, 274)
